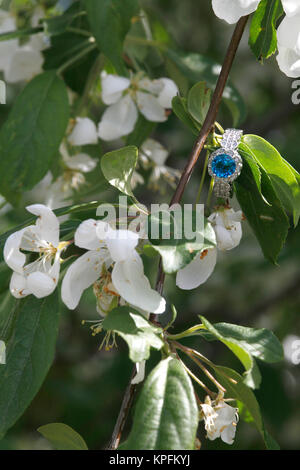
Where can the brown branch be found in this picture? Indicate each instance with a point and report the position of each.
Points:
(207, 126)
(187, 172)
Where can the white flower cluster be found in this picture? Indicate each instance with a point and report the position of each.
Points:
(288, 32)
(220, 420)
(20, 62)
(125, 97)
(228, 230)
(106, 248)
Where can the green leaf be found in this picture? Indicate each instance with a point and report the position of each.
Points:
(30, 137)
(62, 437)
(263, 210)
(110, 22)
(179, 106)
(263, 38)
(118, 167)
(30, 352)
(166, 414)
(252, 375)
(243, 394)
(247, 343)
(139, 334)
(198, 101)
(198, 67)
(282, 175)
(58, 24)
(177, 251)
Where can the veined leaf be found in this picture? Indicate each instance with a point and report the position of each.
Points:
(30, 137)
(179, 106)
(263, 210)
(118, 167)
(263, 38)
(282, 175)
(30, 352)
(62, 437)
(166, 414)
(198, 101)
(246, 344)
(110, 22)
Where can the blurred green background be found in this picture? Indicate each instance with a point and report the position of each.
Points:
(84, 387)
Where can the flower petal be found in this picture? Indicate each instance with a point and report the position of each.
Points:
(84, 132)
(113, 87)
(291, 7)
(13, 257)
(150, 107)
(154, 151)
(131, 283)
(41, 284)
(86, 235)
(118, 119)
(18, 286)
(81, 162)
(47, 224)
(197, 271)
(168, 92)
(232, 10)
(140, 373)
(81, 275)
(25, 64)
(121, 243)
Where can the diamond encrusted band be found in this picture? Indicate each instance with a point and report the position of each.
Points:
(225, 164)
(231, 139)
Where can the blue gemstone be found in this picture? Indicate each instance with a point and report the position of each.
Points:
(223, 166)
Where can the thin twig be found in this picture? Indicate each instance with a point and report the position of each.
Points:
(187, 172)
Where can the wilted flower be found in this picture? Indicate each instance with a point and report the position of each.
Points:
(108, 247)
(39, 277)
(125, 97)
(220, 420)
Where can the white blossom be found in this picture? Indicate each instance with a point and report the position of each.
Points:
(2, 352)
(19, 62)
(125, 97)
(228, 230)
(58, 193)
(232, 10)
(154, 155)
(84, 132)
(220, 420)
(108, 247)
(288, 40)
(38, 277)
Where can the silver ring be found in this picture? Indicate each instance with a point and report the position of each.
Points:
(225, 164)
